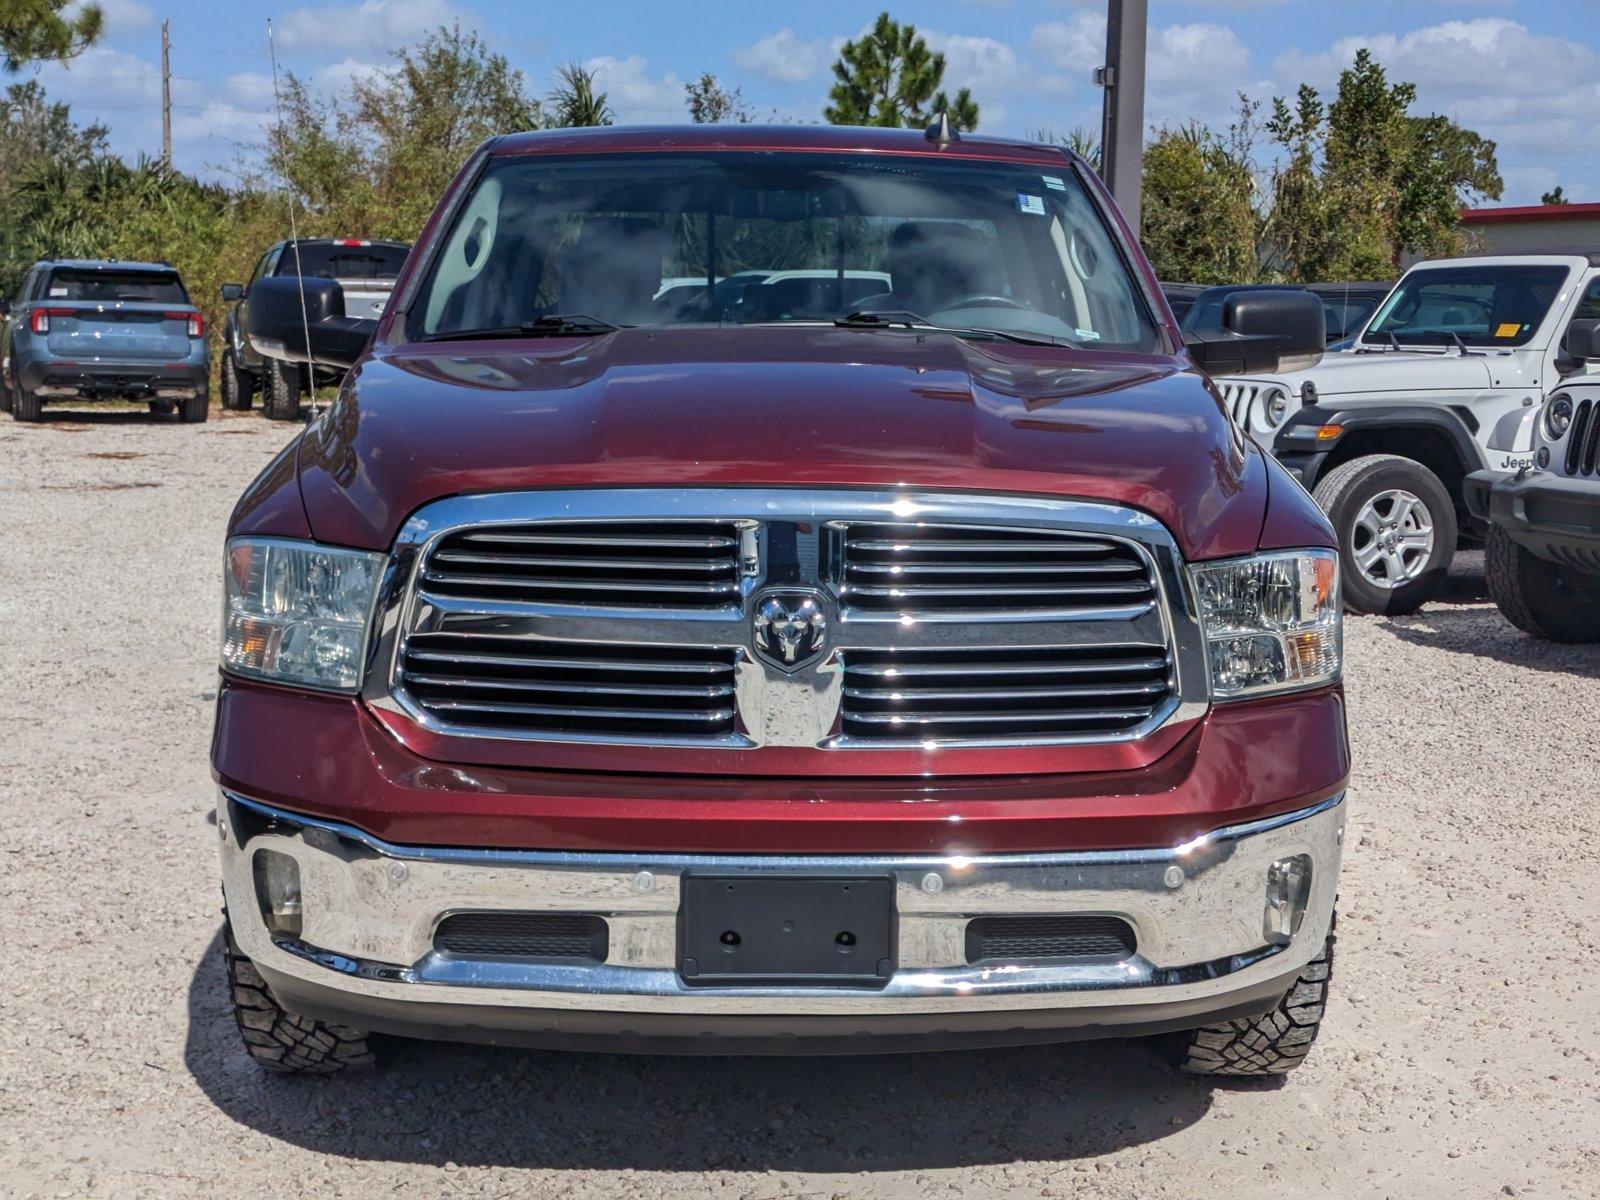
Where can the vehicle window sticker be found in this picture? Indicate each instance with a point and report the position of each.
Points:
(1507, 329)
(1030, 204)
(1054, 183)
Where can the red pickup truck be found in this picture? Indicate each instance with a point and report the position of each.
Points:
(902, 652)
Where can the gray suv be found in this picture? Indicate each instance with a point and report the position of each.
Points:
(90, 330)
(364, 269)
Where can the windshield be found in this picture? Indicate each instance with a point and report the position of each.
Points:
(1482, 306)
(156, 287)
(769, 238)
(333, 261)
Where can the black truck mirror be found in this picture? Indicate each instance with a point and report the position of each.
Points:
(1262, 331)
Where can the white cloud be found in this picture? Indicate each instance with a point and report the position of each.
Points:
(123, 15)
(371, 28)
(784, 57)
(1077, 45)
(634, 93)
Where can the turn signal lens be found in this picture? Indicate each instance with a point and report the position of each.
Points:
(298, 613)
(1272, 623)
(1326, 433)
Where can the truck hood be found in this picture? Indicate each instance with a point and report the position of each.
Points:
(774, 406)
(1387, 371)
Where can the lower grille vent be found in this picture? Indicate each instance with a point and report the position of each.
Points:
(1072, 936)
(973, 695)
(522, 935)
(535, 686)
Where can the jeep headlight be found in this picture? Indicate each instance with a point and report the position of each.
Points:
(1271, 622)
(1558, 418)
(298, 613)
(1274, 406)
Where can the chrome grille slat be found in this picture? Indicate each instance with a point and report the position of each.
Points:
(641, 563)
(941, 568)
(951, 695)
(537, 687)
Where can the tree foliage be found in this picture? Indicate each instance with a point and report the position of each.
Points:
(1199, 210)
(1556, 195)
(890, 78)
(576, 103)
(45, 30)
(709, 103)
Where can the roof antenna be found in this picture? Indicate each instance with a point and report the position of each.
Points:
(939, 131)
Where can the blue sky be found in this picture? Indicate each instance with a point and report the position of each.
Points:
(1524, 72)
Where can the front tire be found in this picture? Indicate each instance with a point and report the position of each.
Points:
(279, 1040)
(1546, 599)
(1397, 532)
(236, 384)
(280, 390)
(1274, 1043)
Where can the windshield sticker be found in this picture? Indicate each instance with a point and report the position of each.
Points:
(1030, 204)
(1087, 335)
(1508, 329)
(1053, 183)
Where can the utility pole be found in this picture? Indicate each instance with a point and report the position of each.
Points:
(1122, 122)
(166, 97)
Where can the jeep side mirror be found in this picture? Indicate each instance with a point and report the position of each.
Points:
(232, 292)
(315, 331)
(1582, 340)
(1261, 331)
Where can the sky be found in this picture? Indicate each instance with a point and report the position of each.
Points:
(1525, 73)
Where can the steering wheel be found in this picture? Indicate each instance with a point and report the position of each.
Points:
(983, 300)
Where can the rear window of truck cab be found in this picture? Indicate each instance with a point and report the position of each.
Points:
(786, 237)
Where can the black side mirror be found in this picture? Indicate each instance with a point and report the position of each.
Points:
(232, 292)
(315, 332)
(1278, 330)
(1582, 340)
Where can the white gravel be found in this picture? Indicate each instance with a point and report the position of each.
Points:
(1460, 1056)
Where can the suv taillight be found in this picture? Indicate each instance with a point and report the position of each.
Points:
(197, 323)
(40, 321)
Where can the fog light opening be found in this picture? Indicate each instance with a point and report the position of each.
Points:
(278, 892)
(1288, 890)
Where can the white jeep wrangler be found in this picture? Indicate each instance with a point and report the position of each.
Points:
(1543, 558)
(1447, 378)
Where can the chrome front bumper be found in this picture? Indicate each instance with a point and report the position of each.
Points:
(369, 909)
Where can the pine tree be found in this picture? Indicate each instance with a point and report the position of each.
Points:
(891, 79)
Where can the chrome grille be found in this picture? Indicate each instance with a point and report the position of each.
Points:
(976, 695)
(955, 568)
(599, 690)
(946, 619)
(668, 564)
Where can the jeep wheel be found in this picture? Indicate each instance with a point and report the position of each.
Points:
(236, 385)
(280, 390)
(1272, 1044)
(1546, 599)
(196, 408)
(1397, 532)
(278, 1040)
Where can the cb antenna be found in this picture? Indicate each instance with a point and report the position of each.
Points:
(294, 229)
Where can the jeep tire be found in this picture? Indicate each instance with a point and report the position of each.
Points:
(236, 384)
(280, 390)
(1396, 526)
(1546, 599)
(1274, 1043)
(279, 1040)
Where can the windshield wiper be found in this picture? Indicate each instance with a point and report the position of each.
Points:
(902, 319)
(554, 325)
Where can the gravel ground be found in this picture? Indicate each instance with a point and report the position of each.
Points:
(1459, 1058)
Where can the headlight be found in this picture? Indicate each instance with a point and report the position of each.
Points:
(1558, 418)
(1274, 406)
(296, 612)
(1271, 623)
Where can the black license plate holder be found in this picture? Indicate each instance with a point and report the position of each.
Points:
(787, 931)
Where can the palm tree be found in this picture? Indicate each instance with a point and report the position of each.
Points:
(575, 103)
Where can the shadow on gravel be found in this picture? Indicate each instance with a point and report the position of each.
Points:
(1487, 634)
(482, 1106)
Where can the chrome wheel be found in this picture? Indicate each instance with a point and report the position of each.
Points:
(1392, 539)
